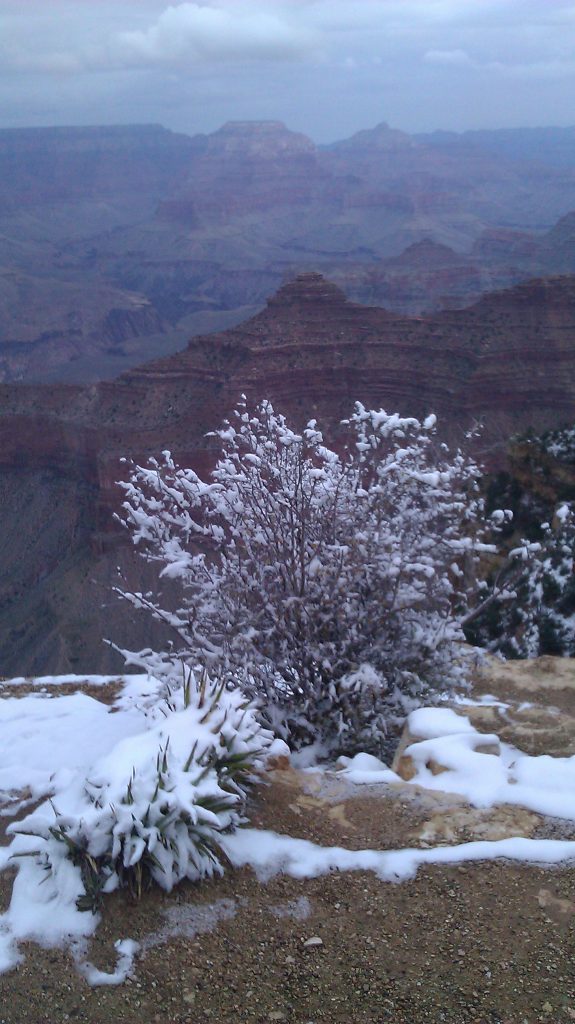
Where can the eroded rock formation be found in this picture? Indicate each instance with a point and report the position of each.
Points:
(508, 361)
(117, 243)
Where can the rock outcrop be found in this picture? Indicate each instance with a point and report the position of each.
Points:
(509, 361)
(64, 166)
(244, 168)
(203, 230)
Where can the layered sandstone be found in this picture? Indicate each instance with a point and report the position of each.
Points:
(246, 167)
(508, 361)
(198, 232)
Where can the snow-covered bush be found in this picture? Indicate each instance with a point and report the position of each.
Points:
(330, 585)
(155, 807)
(532, 606)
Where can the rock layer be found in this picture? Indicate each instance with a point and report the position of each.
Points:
(508, 361)
(95, 220)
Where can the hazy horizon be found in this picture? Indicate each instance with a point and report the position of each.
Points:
(289, 127)
(327, 68)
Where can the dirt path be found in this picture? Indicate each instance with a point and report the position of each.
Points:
(482, 943)
(489, 943)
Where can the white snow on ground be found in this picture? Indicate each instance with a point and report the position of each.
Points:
(365, 768)
(486, 700)
(46, 743)
(269, 854)
(543, 784)
(45, 740)
(43, 906)
(431, 722)
(126, 949)
(121, 781)
(39, 682)
(51, 742)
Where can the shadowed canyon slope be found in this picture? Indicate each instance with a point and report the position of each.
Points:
(119, 243)
(508, 360)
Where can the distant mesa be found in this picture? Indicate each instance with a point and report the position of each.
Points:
(564, 230)
(426, 254)
(264, 139)
(381, 137)
(308, 289)
(508, 359)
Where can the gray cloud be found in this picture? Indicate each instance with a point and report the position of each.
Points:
(550, 69)
(181, 35)
(192, 32)
(325, 66)
(450, 58)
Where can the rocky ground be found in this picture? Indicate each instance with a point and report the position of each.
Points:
(489, 943)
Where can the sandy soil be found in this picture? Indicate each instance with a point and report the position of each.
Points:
(483, 943)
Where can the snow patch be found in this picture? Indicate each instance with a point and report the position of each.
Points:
(188, 920)
(102, 767)
(365, 769)
(298, 910)
(49, 745)
(271, 854)
(126, 949)
(541, 783)
(429, 723)
(46, 740)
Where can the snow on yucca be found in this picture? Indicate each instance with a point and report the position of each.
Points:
(332, 586)
(155, 807)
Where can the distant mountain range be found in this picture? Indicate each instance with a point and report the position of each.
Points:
(117, 244)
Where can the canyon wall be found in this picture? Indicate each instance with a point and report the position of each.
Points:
(118, 243)
(508, 361)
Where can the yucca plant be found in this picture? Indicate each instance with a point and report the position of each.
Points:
(160, 820)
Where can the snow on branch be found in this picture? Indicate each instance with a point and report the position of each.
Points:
(300, 569)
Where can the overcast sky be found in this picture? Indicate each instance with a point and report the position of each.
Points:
(325, 67)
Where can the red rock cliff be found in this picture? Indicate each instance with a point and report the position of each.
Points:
(509, 360)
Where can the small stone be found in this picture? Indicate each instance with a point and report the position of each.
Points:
(276, 1015)
(278, 763)
(290, 959)
(547, 1008)
(314, 941)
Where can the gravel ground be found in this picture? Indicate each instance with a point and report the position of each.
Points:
(489, 943)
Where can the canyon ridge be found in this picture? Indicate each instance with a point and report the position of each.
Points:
(119, 243)
(506, 362)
